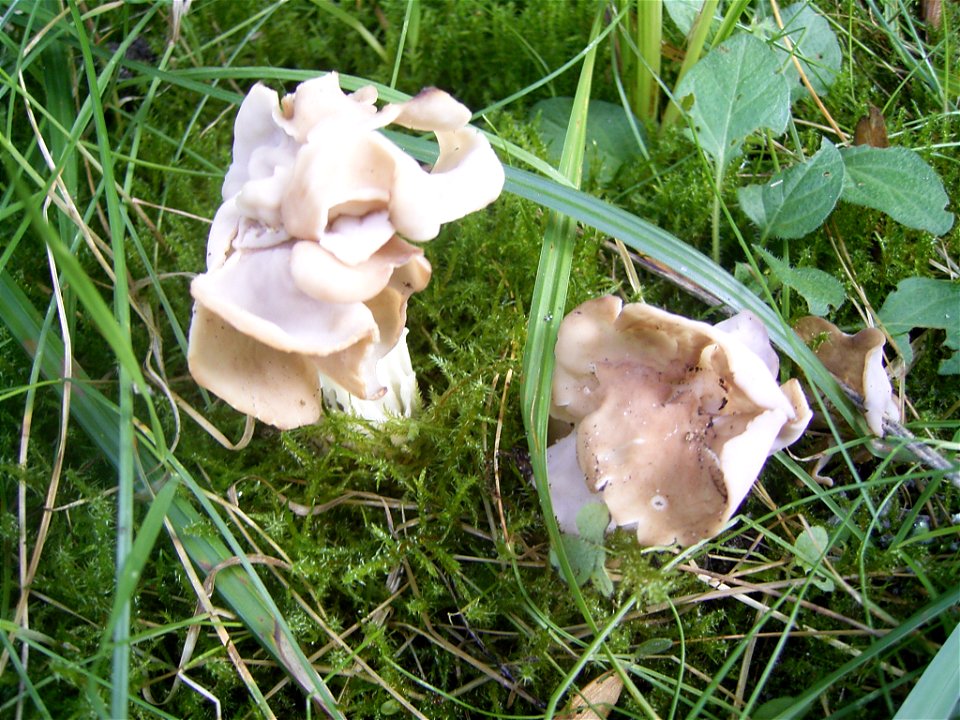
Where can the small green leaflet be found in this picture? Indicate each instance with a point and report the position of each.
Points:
(773, 709)
(737, 89)
(585, 552)
(797, 200)
(808, 549)
(610, 140)
(898, 182)
(653, 646)
(821, 290)
(924, 303)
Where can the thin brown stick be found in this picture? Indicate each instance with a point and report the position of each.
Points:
(803, 76)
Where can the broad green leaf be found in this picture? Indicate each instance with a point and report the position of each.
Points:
(810, 546)
(797, 200)
(592, 522)
(683, 13)
(808, 549)
(737, 89)
(924, 303)
(898, 182)
(610, 139)
(653, 646)
(814, 45)
(951, 366)
(921, 302)
(820, 289)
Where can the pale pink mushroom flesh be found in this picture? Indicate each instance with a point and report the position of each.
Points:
(308, 265)
(673, 418)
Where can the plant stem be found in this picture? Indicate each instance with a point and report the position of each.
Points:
(649, 35)
(698, 37)
(729, 22)
(715, 211)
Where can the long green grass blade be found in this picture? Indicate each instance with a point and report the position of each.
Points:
(546, 312)
(937, 694)
(693, 265)
(899, 634)
(141, 550)
(39, 707)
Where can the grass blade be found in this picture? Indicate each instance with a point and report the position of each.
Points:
(937, 693)
(547, 308)
(121, 308)
(240, 587)
(900, 633)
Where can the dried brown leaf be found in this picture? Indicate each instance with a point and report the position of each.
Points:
(596, 700)
(871, 130)
(932, 12)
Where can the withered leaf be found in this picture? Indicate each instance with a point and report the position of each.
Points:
(871, 130)
(596, 700)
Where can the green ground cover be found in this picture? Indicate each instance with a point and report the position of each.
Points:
(405, 570)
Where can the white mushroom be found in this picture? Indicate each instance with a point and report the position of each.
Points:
(308, 274)
(857, 361)
(673, 418)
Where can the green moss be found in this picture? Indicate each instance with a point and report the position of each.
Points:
(394, 535)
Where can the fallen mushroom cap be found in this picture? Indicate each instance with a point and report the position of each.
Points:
(857, 361)
(673, 418)
(307, 276)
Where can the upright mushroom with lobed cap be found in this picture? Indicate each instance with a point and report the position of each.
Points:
(308, 266)
(672, 419)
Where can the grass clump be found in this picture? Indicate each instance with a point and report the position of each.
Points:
(410, 562)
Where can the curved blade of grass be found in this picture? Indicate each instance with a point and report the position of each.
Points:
(354, 24)
(547, 305)
(120, 685)
(240, 587)
(143, 545)
(21, 671)
(546, 312)
(663, 247)
(933, 610)
(411, 27)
